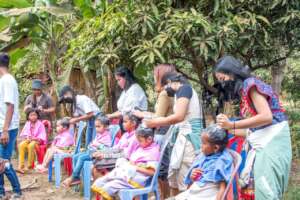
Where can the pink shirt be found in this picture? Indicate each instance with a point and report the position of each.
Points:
(102, 138)
(125, 140)
(35, 131)
(143, 155)
(64, 139)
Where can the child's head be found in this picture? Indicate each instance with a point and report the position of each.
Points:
(214, 139)
(130, 121)
(101, 124)
(63, 124)
(32, 115)
(144, 135)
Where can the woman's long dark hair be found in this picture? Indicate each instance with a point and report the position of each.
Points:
(125, 73)
(173, 77)
(231, 66)
(66, 89)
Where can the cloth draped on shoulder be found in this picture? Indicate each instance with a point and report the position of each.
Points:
(35, 131)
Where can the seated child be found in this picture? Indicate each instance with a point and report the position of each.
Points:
(134, 171)
(33, 134)
(62, 141)
(211, 170)
(107, 158)
(102, 140)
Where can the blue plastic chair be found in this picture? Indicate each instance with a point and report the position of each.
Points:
(60, 156)
(237, 160)
(152, 185)
(87, 166)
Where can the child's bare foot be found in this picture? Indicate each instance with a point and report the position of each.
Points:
(70, 182)
(41, 169)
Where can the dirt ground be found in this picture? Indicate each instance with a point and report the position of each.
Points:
(42, 189)
(47, 191)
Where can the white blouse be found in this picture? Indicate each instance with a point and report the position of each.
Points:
(131, 98)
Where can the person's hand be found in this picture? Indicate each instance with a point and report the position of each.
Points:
(138, 113)
(97, 155)
(27, 107)
(224, 122)
(196, 173)
(109, 116)
(4, 137)
(41, 109)
(151, 123)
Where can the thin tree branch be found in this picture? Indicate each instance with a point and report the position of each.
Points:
(187, 76)
(273, 61)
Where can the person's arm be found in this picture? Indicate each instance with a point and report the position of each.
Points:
(264, 115)
(221, 190)
(8, 117)
(49, 110)
(82, 118)
(179, 114)
(27, 104)
(116, 114)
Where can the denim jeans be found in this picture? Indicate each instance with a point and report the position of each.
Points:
(6, 153)
(79, 160)
(91, 129)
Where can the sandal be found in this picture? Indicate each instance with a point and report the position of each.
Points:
(20, 171)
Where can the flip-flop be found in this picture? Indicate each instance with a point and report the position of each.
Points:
(20, 171)
(76, 182)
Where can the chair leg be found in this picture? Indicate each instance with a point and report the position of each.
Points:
(157, 196)
(50, 171)
(57, 161)
(144, 197)
(87, 180)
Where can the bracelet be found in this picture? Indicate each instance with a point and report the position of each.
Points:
(233, 127)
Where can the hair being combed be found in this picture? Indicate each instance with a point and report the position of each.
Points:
(65, 122)
(103, 120)
(133, 118)
(144, 131)
(31, 110)
(217, 136)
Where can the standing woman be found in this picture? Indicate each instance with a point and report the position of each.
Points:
(163, 108)
(132, 94)
(82, 108)
(188, 117)
(269, 135)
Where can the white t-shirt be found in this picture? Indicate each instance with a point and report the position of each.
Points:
(85, 105)
(9, 94)
(133, 97)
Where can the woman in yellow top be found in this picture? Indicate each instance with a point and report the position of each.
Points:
(163, 108)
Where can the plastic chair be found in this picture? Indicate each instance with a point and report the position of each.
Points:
(58, 157)
(152, 186)
(87, 166)
(237, 159)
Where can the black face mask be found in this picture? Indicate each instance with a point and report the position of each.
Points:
(68, 100)
(228, 85)
(170, 91)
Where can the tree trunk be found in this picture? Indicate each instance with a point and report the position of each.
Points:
(277, 72)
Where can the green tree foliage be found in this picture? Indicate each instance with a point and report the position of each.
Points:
(193, 34)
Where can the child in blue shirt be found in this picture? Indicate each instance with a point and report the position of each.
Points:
(211, 170)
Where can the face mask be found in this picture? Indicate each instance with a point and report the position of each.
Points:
(170, 91)
(68, 100)
(228, 85)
